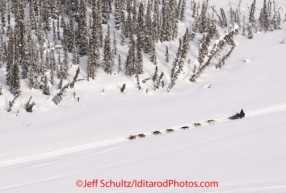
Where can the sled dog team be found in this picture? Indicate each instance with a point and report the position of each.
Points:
(141, 135)
(211, 121)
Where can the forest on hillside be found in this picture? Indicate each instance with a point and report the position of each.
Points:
(52, 45)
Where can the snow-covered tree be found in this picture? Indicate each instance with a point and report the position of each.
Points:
(108, 56)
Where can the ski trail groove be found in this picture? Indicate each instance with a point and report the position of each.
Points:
(60, 152)
(116, 140)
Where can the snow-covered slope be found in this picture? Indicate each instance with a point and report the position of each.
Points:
(242, 156)
(52, 148)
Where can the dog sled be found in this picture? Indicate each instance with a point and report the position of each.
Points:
(238, 115)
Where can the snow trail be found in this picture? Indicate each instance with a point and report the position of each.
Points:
(121, 139)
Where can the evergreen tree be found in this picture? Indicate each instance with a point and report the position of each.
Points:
(65, 64)
(155, 21)
(10, 58)
(32, 77)
(141, 19)
(46, 90)
(82, 29)
(32, 15)
(130, 59)
(9, 19)
(60, 85)
(117, 14)
(204, 44)
(275, 19)
(70, 33)
(91, 64)
(159, 81)
(167, 54)
(114, 44)
(54, 9)
(45, 15)
(223, 17)
(75, 59)
(252, 12)
(165, 29)
(138, 81)
(183, 8)
(249, 30)
(108, 57)
(264, 17)
(139, 57)
(128, 26)
(52, 74)
(2, 53)
(3, 13)
(122, 35)
(153, 50)
(243, 26)
(155, 76)
(119, 63)
(98, 21)
(15, 85)
(105, 12)
(47, 61)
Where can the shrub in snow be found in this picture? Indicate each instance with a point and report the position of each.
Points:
(11, 103)
(59, 96)
(145, 80)
(29, 106)
(122, 88)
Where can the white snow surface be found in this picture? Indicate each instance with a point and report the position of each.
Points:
(53, 147)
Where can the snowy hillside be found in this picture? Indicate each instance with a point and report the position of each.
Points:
(56, 147)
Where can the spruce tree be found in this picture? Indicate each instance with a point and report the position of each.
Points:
(82, 29)
(10, 58)
(119, 63)
(155, 76)
(153, 51)
(252, 12)
(128, 26)
(75, 59)
(2, 56)
(122, 35)
(243, 26)
(108, 57)
(139, 57)
(3, 11)
(155, 20)
(138, 81)
(117, 14)
(52, 75)
(32, 15)
(32, 76)
(25, 55)
(165, 29)
(141, 19)
(114, 44)
(183, 8)
(159, 81)
(249, 30)
(167, 54)
(54, 9)
(46, 90)
(264, 17)
(105, 12)
(130, 60)
(15, 86)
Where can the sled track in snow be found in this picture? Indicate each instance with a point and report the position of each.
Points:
(121, 139)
